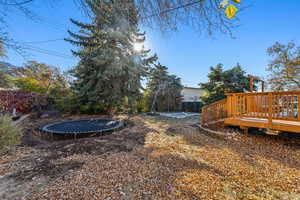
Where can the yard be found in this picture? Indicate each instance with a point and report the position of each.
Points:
(72, 73)
(153, 158)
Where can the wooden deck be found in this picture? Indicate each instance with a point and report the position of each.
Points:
(278, 111)
(279, 125)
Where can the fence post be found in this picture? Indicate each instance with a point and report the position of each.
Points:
(270, 111)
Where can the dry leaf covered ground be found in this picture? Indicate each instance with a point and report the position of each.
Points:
(156, 158)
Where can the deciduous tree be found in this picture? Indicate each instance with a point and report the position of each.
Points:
(285, 67)
(40, 78)
(203, 15)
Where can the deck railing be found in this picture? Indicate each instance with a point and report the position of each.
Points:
(267, 105)
(214, 112)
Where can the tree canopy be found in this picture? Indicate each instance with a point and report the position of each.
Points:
(40, 78)
(203, 15)
(5, 80)
(163, 90)
(6, 75)
(284, 69)
(222, 81)
(110, 70)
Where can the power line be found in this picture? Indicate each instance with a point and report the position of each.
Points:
(42, 20)
(48, 52)
(149, 16)
(16, 3)
(58, 54)
(28, 47)
(44, 41)
(52, 25)
(172, 9)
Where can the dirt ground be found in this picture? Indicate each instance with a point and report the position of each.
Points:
(152, 158)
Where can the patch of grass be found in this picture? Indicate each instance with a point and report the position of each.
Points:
(9, 133)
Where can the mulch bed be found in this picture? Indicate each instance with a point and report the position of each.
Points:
(154, 158)
(35, 158)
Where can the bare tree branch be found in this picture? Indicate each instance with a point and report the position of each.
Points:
(15, 3)
(169, 15)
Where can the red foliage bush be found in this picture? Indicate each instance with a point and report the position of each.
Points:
(22, 101)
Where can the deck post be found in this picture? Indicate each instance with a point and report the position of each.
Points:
(234, 105)
(245, 129)
(298, 105)
(228, 105)
(251, 83)
(270, 109)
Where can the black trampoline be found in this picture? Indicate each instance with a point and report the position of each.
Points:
(82, 126)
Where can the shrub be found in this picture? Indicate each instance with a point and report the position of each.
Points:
(9, 133)
(143, 105)
(67, 104)
(91, 109)
(22, 101)
(70, 104)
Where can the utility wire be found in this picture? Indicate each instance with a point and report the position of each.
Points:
(58, 54)
(44, 41)
(149, 16)
(44, 21)
(27, 45)
(16, 3)
(48, 52)
(172, 9)
(40, 50)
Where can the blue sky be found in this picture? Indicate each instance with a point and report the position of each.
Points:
(186, 53)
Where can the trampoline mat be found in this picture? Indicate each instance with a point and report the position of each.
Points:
(82, 126)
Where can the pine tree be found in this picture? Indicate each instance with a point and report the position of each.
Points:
(164, 89)
(221, 81)
(109, 72)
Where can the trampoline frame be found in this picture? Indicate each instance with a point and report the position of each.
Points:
(46, 129)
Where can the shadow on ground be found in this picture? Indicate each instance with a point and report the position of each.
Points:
(49, 159)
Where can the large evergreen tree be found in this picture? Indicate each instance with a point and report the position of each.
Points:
(163, 90)
(221, 82)
(110, 70)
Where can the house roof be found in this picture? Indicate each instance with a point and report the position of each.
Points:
(192, 88)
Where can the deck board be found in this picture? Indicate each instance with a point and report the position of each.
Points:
(281, 125)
